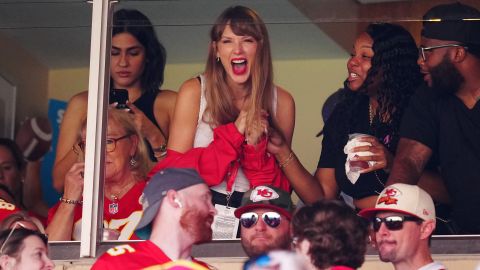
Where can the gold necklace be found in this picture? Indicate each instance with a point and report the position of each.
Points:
(371, 114)
(113, 206)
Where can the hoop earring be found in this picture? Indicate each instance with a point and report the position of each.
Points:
(133, 162)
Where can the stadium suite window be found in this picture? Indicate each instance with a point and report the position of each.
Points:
(97, 78)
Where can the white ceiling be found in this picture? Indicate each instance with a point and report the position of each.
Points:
(58, 32)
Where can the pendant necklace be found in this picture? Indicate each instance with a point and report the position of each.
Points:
(113, 206)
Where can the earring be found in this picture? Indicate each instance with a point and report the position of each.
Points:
(133, 162)
(218, 59)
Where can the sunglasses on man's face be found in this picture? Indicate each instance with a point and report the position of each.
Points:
(393, 223)
(272, 219)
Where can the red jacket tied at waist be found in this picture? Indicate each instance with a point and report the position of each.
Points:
(222, 158)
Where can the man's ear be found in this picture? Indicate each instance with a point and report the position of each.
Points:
(459, 54)
(172, 198)
(6, 262)
(427, 229)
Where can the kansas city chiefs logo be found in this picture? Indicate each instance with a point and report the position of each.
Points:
(388, 197)
(262, 193)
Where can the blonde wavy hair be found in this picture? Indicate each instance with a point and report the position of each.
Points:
(221, 110)
(126, 121)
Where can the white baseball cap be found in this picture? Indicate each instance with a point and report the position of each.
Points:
(405, 199)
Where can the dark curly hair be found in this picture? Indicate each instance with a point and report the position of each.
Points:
(336, 234)
(394, 76)
(395, 64)
(137, 24)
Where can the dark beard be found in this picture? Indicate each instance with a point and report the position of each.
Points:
(194, 222)
(282, 242)
(446, 79)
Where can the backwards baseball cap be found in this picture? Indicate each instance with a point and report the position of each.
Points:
(160, 184)
(405, 199)
(454, 22)
(266, 197)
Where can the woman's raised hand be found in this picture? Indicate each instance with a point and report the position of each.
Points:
(73, 189)
(241, 122)
(146, 127)
(380, 154)
(258, 129)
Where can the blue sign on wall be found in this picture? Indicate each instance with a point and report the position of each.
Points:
(56, 108)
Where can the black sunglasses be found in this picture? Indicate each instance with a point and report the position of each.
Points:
(249, 219)
(393, 223)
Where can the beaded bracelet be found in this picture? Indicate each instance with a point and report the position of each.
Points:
(287, 160)
(162, 148)
(68, 201)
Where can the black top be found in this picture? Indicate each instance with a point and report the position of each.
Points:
(337, 128)
(145, 103)
(452, 131)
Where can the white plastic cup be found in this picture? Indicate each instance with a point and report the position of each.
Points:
(357, 165)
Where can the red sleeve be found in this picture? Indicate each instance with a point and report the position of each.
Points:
(261, 168)
(6, 209)
(51, 212)
(212, 162)
(101, 264)
(43, 220)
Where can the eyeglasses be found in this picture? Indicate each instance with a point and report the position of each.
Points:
(272, 219)
(393, 223)
(14, 227)
(110, 145)
(423, 49)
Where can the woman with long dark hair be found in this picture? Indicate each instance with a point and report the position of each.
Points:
(382, 74)
(137, 64)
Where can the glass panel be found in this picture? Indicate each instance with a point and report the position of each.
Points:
(45, 52)
(310, 43)
(45, 57)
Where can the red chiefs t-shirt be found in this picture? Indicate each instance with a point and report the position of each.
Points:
(138, 255)
(6, 209)
(124, 217)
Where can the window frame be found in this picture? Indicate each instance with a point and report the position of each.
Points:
(91, 244)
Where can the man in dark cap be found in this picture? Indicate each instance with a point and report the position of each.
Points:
(177, 204)
(265, 215)
(444, 119)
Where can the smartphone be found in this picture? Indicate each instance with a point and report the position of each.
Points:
(120, 96)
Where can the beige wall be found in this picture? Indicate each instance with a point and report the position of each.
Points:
(28, 74)
(64, 83)
(309, 81)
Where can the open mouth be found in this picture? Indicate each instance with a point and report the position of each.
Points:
(239, 66)
(352, 76)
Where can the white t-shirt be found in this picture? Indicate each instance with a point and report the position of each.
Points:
(433, 266)
(204, 136)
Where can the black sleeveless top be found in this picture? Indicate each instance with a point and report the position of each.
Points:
(145, 103)
(336, 131)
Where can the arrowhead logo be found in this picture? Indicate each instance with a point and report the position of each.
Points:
(262, 193)
(388, 197)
